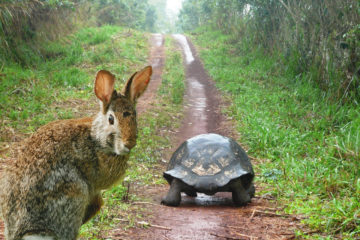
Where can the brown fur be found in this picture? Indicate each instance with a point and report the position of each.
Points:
(54, 184)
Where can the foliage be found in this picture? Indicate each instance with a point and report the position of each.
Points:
(319, 39)
(136, 14)
(29, 97)
(310, 144)
(25, 24)
(165, 20)
(21, 20)
(173, 85)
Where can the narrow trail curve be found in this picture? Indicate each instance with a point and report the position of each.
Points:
(208, 217)
(202, 113)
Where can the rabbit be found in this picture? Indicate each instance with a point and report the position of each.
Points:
(54, 185)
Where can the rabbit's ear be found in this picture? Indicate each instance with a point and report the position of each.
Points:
(137, 84)
(104, 86)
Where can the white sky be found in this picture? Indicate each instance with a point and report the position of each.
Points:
(174, 5)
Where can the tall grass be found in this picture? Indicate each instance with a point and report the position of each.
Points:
(173, 85)
(311, 144)
(29, 96)
(319, 39)
(25, 24)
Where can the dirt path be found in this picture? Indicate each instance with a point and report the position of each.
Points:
(156, 60)
(208, 217)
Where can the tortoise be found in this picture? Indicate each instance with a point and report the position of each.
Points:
(209, 163)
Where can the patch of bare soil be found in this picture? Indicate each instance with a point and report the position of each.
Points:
(207, 217)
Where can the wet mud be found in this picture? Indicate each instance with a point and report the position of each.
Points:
(202, 102)
(156, 60)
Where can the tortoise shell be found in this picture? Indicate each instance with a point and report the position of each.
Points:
(210, 161)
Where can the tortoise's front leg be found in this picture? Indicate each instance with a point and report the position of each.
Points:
(240, 196)
(173, 198)
(251, 190)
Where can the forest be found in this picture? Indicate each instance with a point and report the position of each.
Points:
(288, 70)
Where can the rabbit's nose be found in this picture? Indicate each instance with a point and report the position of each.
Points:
(128, 146)
(125, 150)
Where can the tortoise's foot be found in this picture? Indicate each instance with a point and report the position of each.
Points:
(251, 190)
(240, 199)
(240, 196)
(173, 198)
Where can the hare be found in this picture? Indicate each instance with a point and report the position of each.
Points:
(54, 185)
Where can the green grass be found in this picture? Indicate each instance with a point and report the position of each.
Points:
(29, 96)
(145, 163)
(311, 145)
(173, 85)
(60, 86)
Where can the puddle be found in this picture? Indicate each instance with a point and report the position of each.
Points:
(158, 39)
(195, 98)
(155, 62)
(219, 199)
(185, 45)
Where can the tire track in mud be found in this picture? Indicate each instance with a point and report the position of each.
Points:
(208, 217)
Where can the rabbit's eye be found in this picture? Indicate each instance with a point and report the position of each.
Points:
(111, 119)
(126, 114)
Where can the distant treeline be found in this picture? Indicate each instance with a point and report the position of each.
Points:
(318, 41)
(25, 24)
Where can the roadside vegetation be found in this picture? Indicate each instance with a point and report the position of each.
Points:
(308, 144)
(34, 95)
(314, 41)
(51, 50)
(291, 71)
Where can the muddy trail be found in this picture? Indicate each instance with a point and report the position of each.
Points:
(207, 217)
